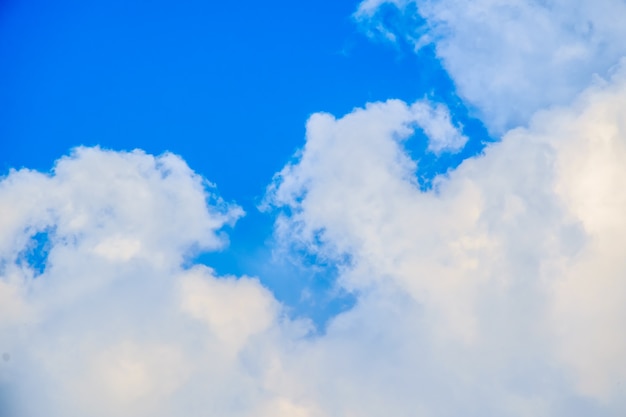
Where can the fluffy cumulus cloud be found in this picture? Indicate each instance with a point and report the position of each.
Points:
(528, 52)
(498, 292)
(111, 324)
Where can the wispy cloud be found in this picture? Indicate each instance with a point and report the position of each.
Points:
(435, 121)
(512, 58)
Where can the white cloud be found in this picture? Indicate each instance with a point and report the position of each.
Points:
(434, 119)
(499, 292)
(234, 309)
(114, 326)
(512, 58)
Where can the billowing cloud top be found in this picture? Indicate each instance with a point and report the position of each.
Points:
(501, 291)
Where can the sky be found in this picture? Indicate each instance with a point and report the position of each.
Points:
(386, 207)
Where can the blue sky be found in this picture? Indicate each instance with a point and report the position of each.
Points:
(215, 82)
(340, 208)
(228, 86)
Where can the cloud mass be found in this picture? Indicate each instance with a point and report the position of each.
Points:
(506, 278)
(500, 291)
(510, 58)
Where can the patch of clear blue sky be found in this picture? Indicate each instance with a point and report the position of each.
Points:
(226, 85)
